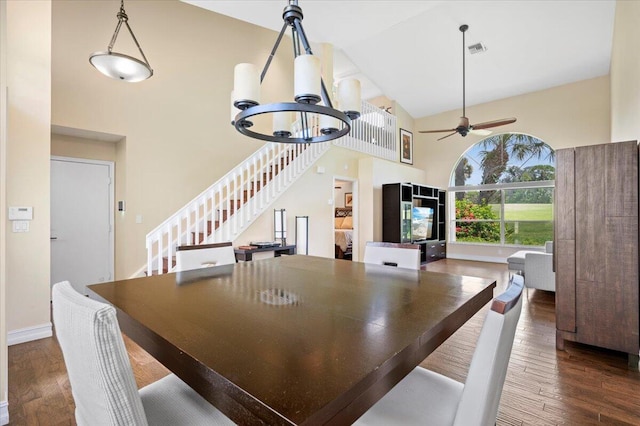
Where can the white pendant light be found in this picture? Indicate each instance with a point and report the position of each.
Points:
(118, 65)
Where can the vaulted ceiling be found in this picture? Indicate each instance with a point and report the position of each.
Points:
(411, 51)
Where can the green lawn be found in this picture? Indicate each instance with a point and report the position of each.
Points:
(525, 224)
(526, 211)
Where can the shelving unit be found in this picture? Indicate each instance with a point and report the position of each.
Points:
(400, 202)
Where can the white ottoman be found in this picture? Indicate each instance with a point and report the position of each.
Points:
(516, 260)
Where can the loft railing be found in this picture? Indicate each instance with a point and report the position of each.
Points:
(374, 133)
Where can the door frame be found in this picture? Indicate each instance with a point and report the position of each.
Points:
(355, 256)
(111, 166)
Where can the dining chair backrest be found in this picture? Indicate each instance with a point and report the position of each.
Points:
(392, 254)
(102, 382)
(483, 387)
(204, 256)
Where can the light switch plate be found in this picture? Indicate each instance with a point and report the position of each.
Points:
(20, 225)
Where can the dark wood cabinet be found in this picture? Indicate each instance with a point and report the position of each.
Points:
(403, 207)
(596, 249)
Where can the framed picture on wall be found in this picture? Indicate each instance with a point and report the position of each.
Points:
(406, 146)
(348, 199)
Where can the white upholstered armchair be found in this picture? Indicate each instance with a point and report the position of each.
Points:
(538, 271)
(537, 267)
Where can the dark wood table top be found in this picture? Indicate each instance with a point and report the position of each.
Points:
(295, 339)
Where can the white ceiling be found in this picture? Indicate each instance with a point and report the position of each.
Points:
(411, 51)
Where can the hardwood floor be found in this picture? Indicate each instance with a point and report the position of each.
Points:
(582, 385)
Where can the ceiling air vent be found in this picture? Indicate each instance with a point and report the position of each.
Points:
(477, 48)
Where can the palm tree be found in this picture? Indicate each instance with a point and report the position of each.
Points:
(497, 151)
(463, 172)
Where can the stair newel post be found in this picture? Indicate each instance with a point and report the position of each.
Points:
(149, 247)
(160, 253)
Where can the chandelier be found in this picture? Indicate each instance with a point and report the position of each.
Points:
(120, 66)
(316, 119)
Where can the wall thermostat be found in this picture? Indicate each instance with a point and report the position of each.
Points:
(20, 213)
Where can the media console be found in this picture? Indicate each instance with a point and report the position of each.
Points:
(415, 214)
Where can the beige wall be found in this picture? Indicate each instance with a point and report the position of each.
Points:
(373, 173)
(25, 122)
(75, 147)
(176, 124)
(565, 116)
(28, 153)
(4, 412)
(625, 73)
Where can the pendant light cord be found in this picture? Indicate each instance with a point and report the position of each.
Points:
(122, 17)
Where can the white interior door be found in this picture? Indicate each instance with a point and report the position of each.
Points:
(81, 222)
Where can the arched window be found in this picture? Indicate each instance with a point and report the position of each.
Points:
(502, 188)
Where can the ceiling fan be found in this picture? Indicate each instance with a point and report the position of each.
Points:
(464, 127)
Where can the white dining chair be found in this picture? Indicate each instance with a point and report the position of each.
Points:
(392, 254)
(204, 256)
(102, 381)
(427, 398)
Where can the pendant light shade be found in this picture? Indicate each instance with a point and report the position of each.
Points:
(120, 66)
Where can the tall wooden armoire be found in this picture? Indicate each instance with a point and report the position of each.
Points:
(596, 247)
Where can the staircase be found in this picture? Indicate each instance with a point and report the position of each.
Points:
(230, 205)
(227, 208)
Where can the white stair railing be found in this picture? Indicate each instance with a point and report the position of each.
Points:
(374, 133)
(229, 206)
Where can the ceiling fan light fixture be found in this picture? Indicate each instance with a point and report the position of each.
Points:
(118, 65)
(464, 128)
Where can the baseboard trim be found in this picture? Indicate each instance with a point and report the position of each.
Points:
(28, 334)
(4, 413)
(476, 258)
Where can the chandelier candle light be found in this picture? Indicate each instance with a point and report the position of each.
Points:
(118, 65)
(317, 119)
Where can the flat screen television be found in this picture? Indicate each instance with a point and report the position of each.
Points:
(422, 223)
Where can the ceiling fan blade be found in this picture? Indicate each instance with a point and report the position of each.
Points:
(495, 123)
(444, 137)
(480, 132)
(436, 131)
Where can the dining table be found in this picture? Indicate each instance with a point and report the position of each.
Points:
(293, 340)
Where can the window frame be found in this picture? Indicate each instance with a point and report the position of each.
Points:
(502, 187)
